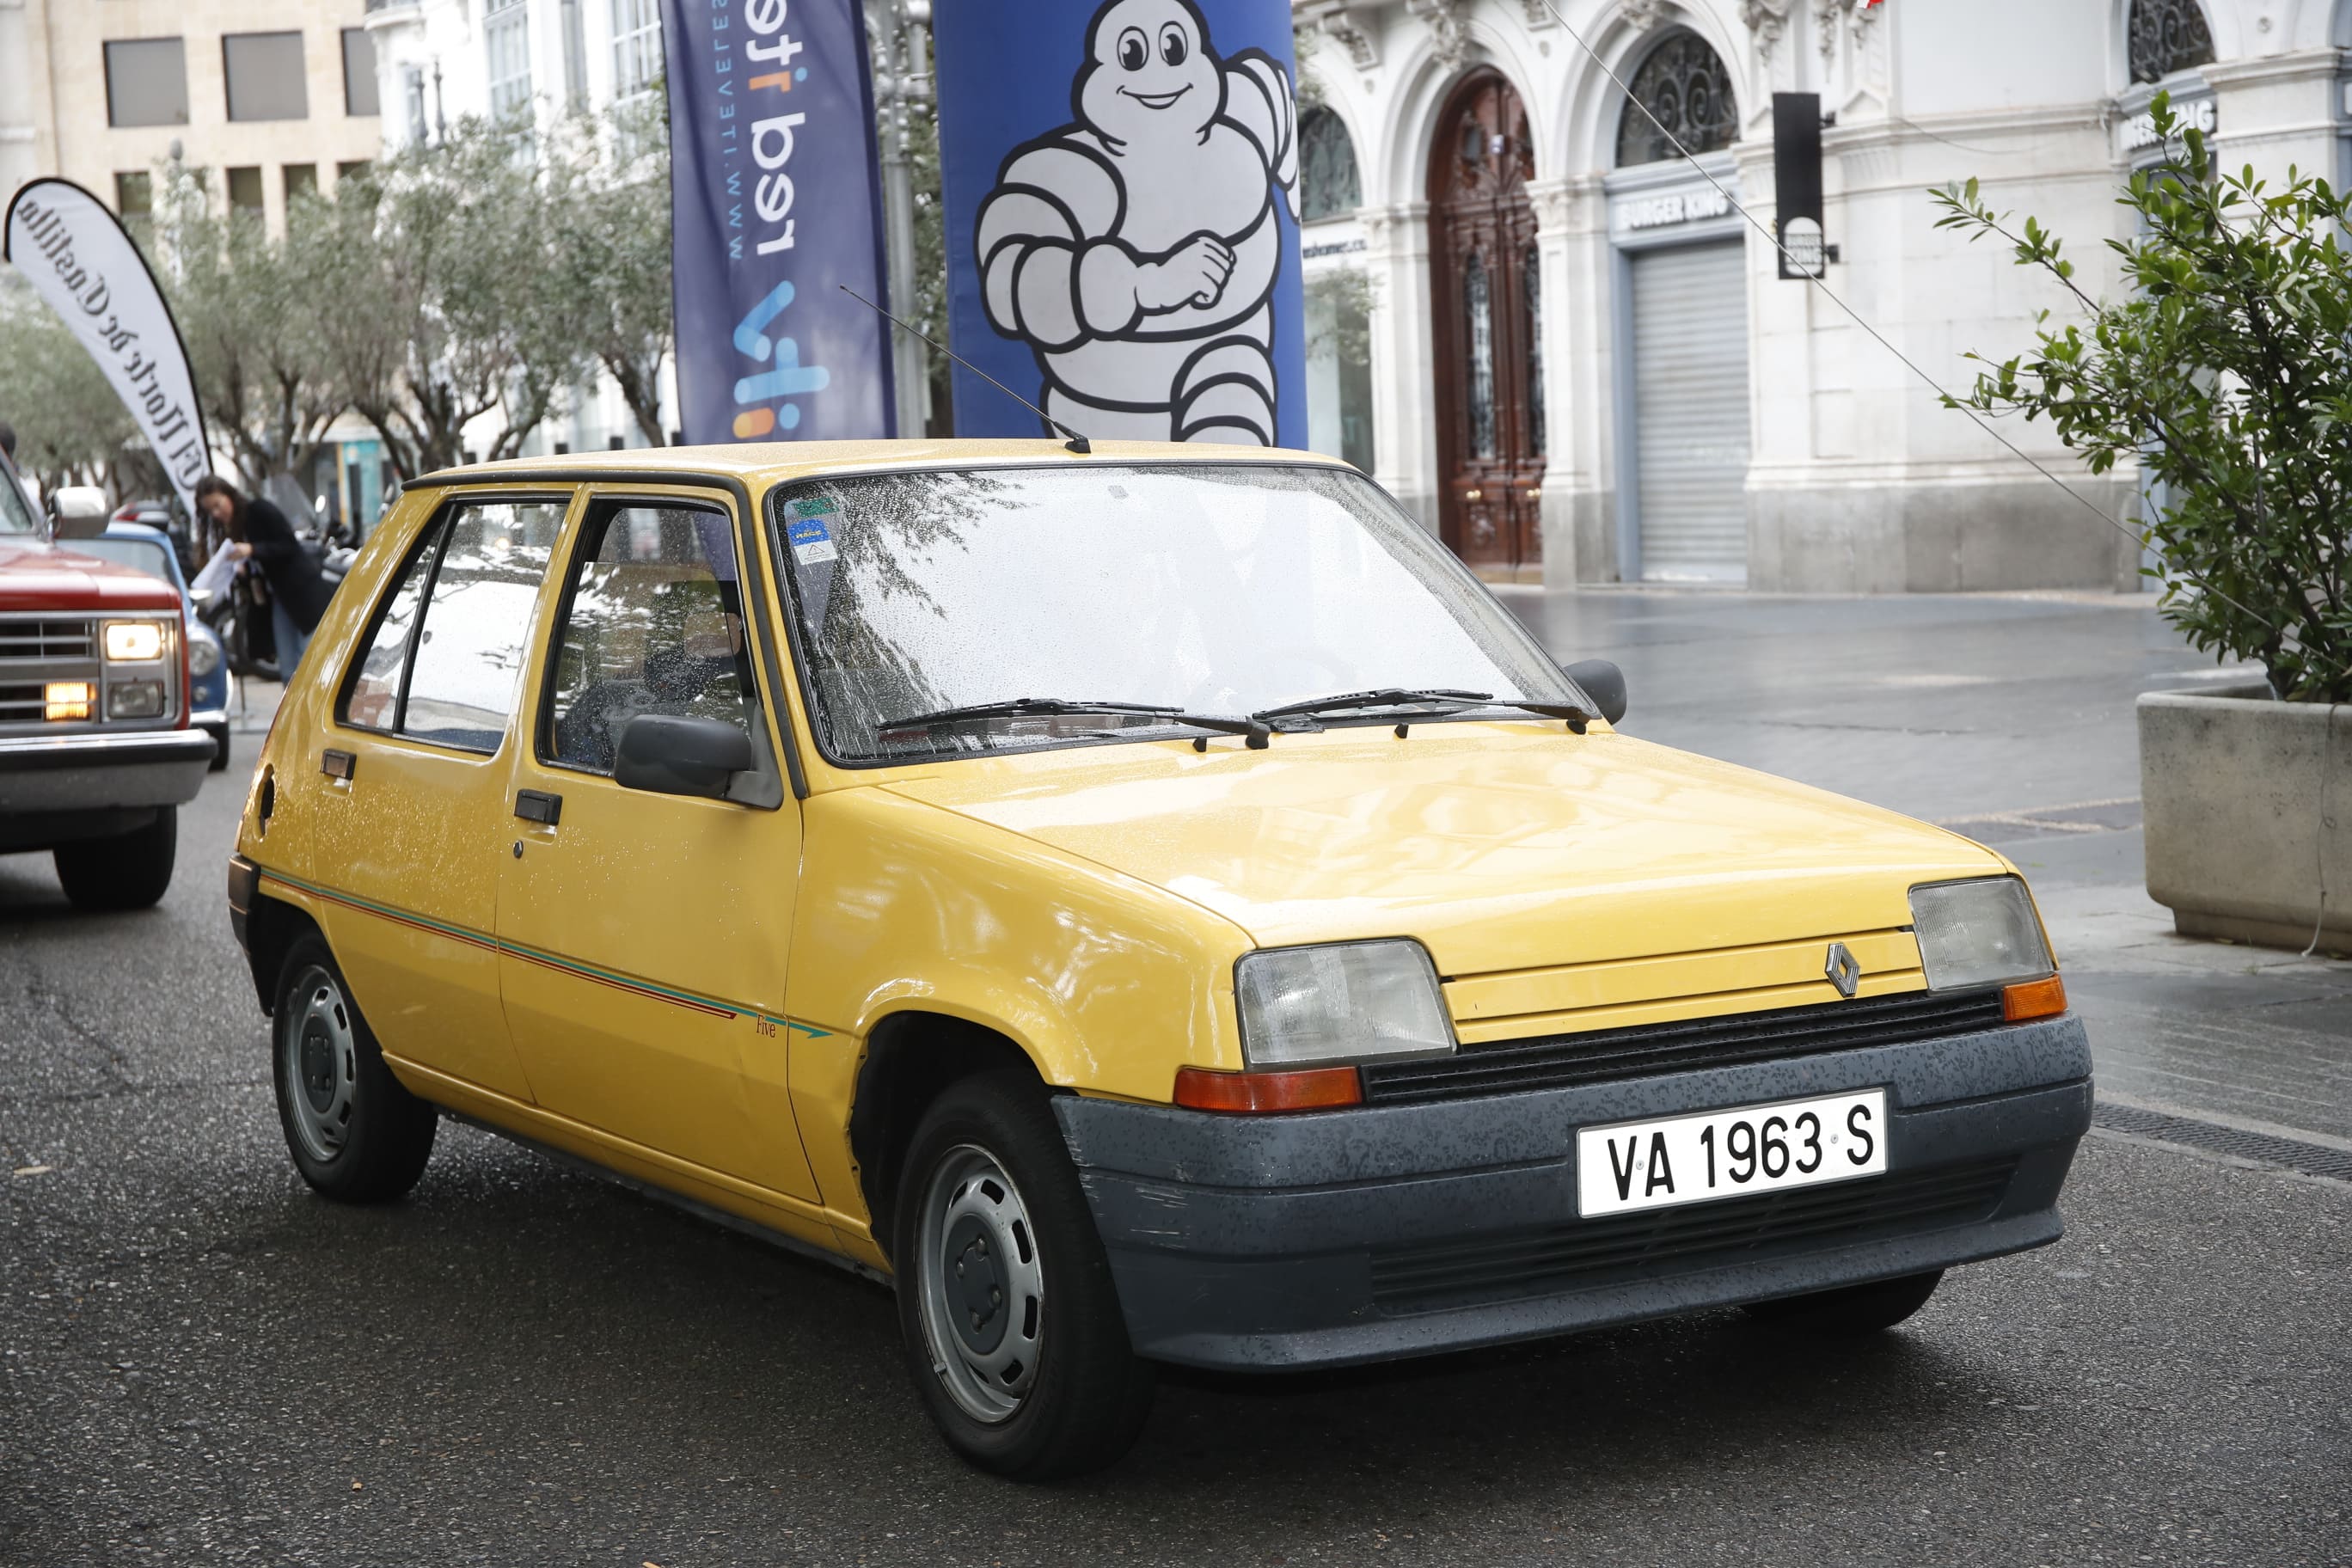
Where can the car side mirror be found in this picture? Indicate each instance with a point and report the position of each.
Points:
(78, 511)
(1605, 683)
(674, 755)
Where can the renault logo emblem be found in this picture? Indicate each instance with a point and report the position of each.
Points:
(1845, 972)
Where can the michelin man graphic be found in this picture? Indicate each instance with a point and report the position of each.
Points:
(1135, 251)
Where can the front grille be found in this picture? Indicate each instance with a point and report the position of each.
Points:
(1684, 1240)
(47, 639)
(22, 700)
(1645, 1050)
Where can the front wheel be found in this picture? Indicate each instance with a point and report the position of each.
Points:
(355, 1133)
(129, 872)
(1854, 1310)
(1010, 1321)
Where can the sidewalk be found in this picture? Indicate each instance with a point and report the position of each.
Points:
(2007, 717)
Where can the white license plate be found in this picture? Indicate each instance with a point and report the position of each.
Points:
(1723, 1153)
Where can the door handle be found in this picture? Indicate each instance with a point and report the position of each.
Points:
(538, 806)
(337, 764)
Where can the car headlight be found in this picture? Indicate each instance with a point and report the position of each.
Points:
(204, 655)
(1343, 1003)
(1978, 933)
(134, 642)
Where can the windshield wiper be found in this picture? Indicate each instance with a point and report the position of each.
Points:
(1051, 707)
(1434, 696)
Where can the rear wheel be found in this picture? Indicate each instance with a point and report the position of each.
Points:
(1010, 1321)
(356, 1135)
(128, 871)
(1853, 1309)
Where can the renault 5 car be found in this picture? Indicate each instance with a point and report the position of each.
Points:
(1150, 905)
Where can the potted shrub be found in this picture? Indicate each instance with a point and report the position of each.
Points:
(2225, 372)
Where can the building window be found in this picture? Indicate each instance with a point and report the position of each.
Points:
(2167, 36)
(1531, 297)
(1477, 307)
(147, 81)
(412, 93)
(134, 195)
(244, 198)
(301, 181)
(265, 74)
(1327, 183)
(636, 47)
(351, 171)
(359, 74)
(506, 34)
(1685, 87)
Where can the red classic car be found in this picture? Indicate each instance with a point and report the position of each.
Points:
(95, 755)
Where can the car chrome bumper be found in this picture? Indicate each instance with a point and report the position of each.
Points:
(1344, 1236)
(140, 768)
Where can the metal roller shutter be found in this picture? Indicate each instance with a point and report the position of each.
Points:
(1690, 412)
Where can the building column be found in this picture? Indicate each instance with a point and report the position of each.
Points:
(1404, 423)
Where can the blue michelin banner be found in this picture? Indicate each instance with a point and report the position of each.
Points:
(775, 199)
(1121, 186)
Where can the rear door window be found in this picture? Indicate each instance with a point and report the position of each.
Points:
(443, 661)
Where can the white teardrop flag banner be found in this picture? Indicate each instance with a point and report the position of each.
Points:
(81, 261)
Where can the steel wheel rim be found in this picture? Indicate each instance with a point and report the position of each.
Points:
(317, 1063)
(979, 1285)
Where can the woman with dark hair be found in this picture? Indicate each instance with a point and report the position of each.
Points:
(259, 533)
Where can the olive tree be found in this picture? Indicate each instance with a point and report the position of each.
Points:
(72, 428)
(2225, 372)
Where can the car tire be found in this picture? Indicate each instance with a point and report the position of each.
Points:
(356, 1134)
(127, 871)
(1854, 1310)
(1011, 1321)
(219, 765)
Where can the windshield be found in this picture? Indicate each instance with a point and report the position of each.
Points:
(140, 554)
(16, 513)
(1215, 589)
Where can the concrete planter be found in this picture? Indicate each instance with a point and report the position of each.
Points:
(2248, 805)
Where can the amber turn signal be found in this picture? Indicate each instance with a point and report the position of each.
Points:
(1259, 1093)
(2033, 999)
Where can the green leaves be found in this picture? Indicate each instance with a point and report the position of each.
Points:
(2224, 375)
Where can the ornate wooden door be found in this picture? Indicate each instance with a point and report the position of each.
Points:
(1487, 296)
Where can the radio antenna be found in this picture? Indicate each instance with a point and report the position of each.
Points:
(1077, 443)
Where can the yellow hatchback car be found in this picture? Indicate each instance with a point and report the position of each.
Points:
(1151, 905)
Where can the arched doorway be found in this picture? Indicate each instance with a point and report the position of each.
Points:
(1487, 298)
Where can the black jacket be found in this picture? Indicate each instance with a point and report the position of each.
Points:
(292, 570)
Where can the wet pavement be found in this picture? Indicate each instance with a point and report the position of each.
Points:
(202, 1363)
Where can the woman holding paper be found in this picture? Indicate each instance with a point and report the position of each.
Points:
(259, 533)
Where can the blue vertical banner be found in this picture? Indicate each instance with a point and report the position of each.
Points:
(1121, 185)
(775, 202)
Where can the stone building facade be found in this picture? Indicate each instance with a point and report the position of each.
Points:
(1584, 366)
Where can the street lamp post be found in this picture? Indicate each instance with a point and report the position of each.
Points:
(899, 35)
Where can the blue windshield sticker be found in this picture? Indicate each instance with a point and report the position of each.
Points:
(811, 541)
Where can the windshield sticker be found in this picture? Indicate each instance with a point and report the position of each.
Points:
(814, 506)
(811, 541)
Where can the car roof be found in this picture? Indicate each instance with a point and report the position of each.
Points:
(761, 463)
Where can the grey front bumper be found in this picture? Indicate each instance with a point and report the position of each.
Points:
(135, 768)
(1354, 1236)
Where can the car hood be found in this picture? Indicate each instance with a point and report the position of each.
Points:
(1568, 871)
(36, 575)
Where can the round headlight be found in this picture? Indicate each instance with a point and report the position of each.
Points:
(204, 655)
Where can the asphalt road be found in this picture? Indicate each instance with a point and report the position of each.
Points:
(202, 1363)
